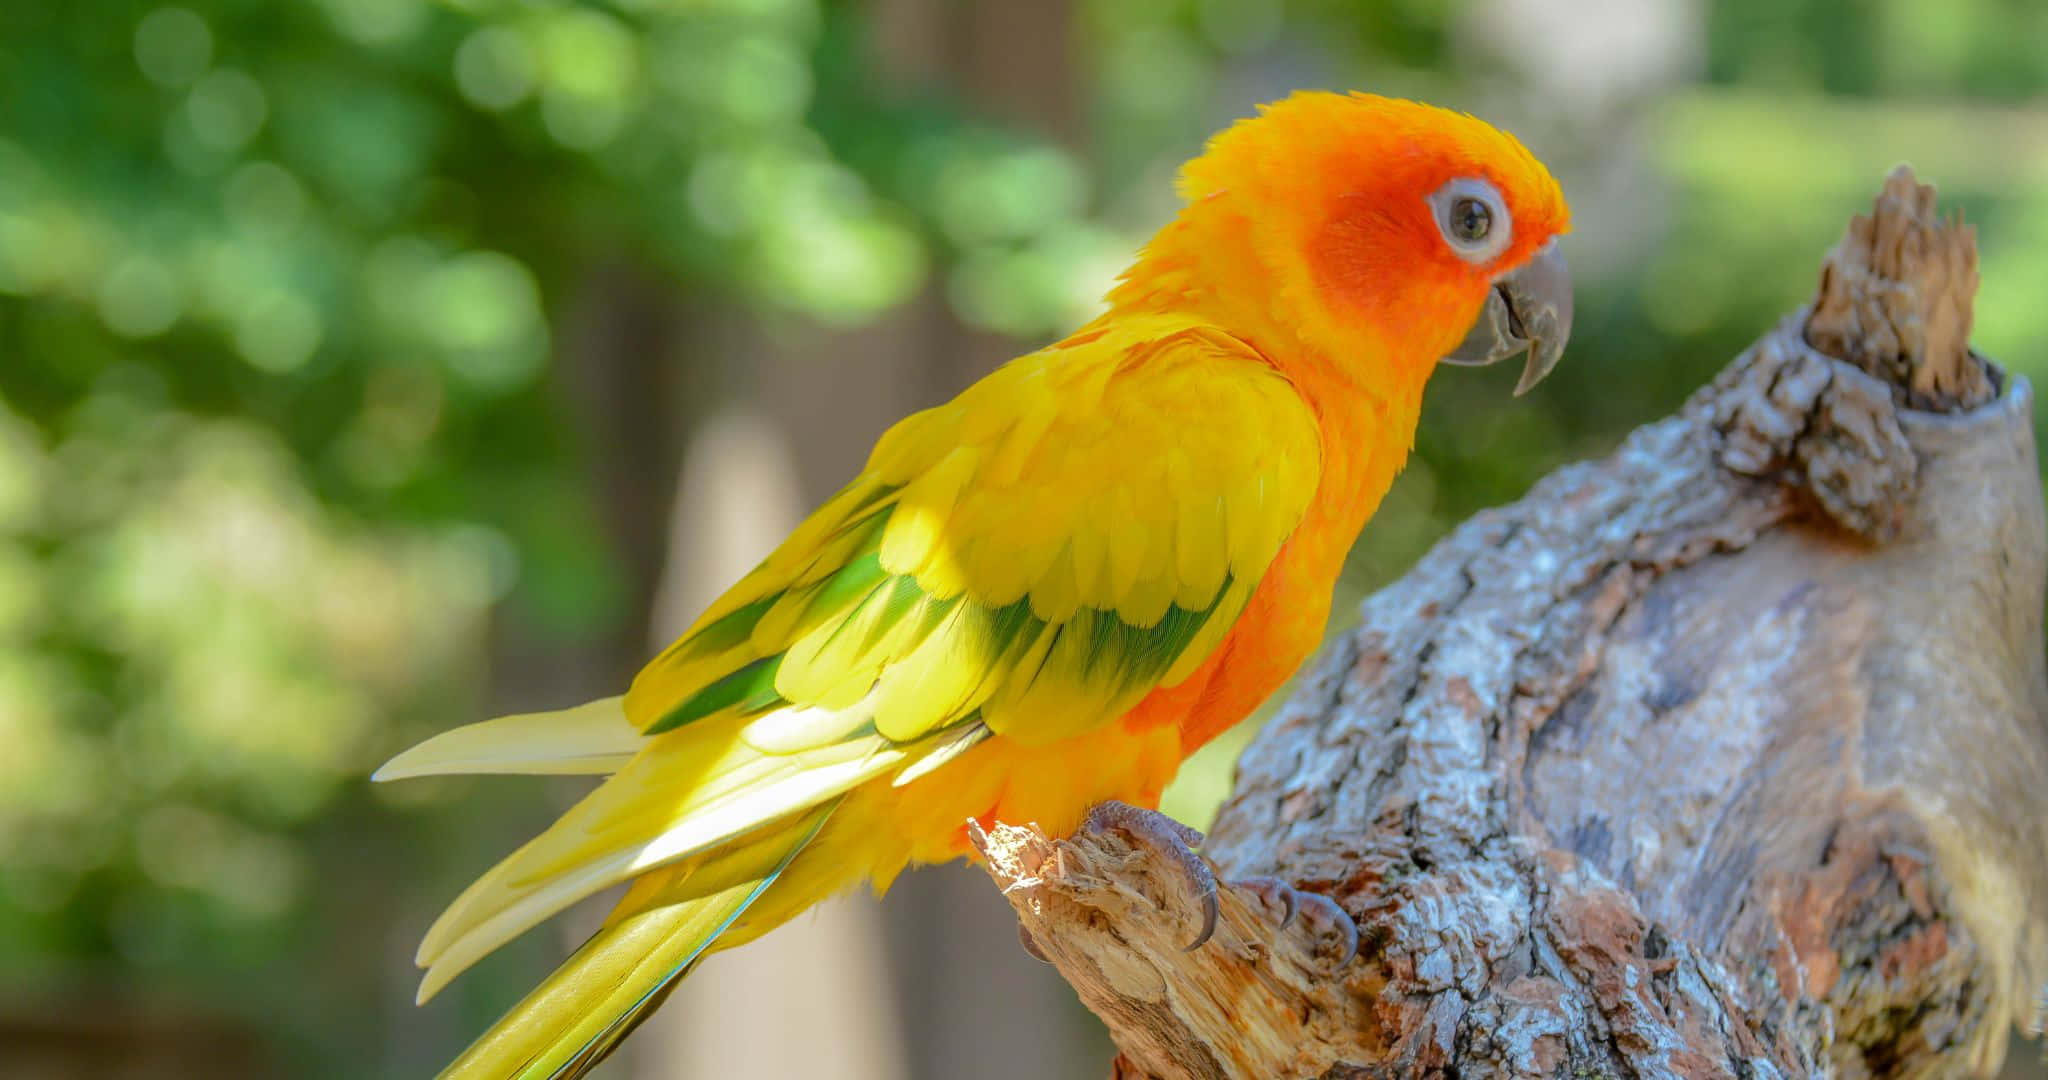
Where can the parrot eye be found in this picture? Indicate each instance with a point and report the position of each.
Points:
(1470, 219)
(1473, 219)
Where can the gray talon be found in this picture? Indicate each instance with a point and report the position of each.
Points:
(1272, 891)
(1030, 944)
(1171, 839)
(1317, 908)
(1209, 912)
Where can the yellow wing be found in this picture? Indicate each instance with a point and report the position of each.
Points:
(1029, 560)
(1077, 529)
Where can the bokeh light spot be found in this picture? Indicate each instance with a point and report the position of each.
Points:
(764, 80)
(589, 55)
(278, 331)
(377, 22)
(1009, 196)
(847, 269)
(580, 123)
(139, 297)
(226, 109)
(26, 266)
(494, 68)
(262, 195)
(483, 309)
(173, 46)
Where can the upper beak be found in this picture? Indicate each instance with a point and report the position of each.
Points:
(1529, 308)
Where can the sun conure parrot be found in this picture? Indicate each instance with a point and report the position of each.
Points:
(1036, 599)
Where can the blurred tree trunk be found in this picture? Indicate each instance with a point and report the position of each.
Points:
(101, 1039)
(1724, 756)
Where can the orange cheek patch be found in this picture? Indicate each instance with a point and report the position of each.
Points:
(1346, 258)
(1366, 263)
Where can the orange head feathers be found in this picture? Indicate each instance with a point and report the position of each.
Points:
(1367, 231)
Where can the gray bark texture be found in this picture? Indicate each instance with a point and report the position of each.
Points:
(1723, 756)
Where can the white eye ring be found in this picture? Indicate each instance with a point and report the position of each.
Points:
(1458, 204)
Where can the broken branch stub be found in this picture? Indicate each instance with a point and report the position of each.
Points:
(1726, 755)
(1895, 299)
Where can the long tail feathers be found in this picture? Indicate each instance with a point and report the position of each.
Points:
(704, 820)
(569, 1023)
(590, 738)
(685, 793)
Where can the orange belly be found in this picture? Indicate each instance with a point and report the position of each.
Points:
(1281, 626)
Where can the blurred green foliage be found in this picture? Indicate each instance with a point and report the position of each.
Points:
(282, 287)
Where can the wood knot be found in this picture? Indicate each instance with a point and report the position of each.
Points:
(1820, 426)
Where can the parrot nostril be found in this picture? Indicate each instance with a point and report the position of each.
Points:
(1507, 299)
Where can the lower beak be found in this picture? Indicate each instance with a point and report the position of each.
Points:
(1529, 308)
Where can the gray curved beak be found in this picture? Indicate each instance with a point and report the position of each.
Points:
(1529, 308)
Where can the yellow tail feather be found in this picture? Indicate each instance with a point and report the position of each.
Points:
(593, 738)
(682, 797)
(707, 826)
(571, 1021)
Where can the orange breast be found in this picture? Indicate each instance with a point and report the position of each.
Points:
(1280, 627)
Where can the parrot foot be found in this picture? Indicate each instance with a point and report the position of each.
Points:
(1170, 839)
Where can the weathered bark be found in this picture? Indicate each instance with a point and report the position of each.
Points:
(1726, 755)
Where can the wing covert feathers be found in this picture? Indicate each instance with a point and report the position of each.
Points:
(1082, 526)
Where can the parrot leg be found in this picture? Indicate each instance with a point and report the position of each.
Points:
(1169, 838)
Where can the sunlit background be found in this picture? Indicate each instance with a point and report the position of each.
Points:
(372, 366)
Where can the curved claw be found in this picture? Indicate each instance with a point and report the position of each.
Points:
(1272, 892)
(1320, 909)
(1209, 915)
(1170, 839)
(1030, 944)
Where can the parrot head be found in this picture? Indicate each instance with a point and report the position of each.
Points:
(1370, 227)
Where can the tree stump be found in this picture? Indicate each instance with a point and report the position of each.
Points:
(1724, 756)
